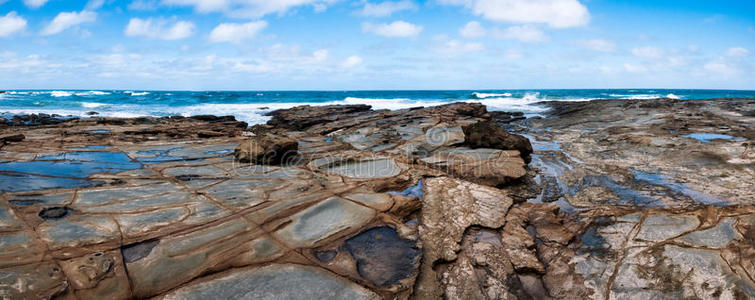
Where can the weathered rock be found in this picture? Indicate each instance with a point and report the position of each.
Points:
(483, 166)
(267, 149)
(12, 138)
(449, 207)
(303, 117)
(288, 281)
(487, 134)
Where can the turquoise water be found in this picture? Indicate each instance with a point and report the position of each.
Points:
(250, 106)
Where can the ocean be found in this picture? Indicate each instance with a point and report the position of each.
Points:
(250, 106)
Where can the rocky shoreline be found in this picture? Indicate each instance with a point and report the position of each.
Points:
(606, 199)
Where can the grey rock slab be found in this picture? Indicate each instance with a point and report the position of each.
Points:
(658, 228)
(78, 230)
(95, 197)
(323, 220)
(178, 258)
(275, 282)
(716, 237)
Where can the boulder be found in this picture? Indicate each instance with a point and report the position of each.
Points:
(487, 134)
(267, 149)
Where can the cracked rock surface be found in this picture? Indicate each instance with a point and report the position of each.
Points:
(596, 202)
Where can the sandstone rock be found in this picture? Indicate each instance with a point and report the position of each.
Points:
(450, 206)
(267, 149)
(303, 117)
(483, 166)
(12, 138)
(287, 281)
(487, 134)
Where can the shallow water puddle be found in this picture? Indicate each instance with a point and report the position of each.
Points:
(707, 137)
(677, 187)
(412, 191)
(626, 195)
(382, 256)
(64, 170)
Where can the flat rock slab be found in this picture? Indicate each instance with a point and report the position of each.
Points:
(322, 221)
(275, 282)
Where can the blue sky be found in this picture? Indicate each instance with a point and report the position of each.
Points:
(369, 44)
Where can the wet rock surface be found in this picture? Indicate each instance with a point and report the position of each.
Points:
(598, 200)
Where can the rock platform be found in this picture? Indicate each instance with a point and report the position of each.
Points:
(595, 201)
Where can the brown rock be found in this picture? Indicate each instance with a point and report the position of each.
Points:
(303, 117)
(13, 138)
(450, 206)
(267, 149)
(209, 134)
(487, 134)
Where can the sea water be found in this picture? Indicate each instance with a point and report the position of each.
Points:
(251, 106)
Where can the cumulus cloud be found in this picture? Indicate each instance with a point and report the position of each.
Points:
(597, 45)
(472, 29)
(67, 20)
(11, 24)
(635, 68)
(523, 33)
(455, 47)
(737, 52)
(395, 29)
(555, 13)
(236, 32)
(648, 52)
(352, 61)
(722, 68)
(159, 29)
(143, 5)
(35, 3)
(249, 8)
(94, 4)
(387, 8)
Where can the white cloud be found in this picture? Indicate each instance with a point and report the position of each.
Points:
(386, 8)
(737, 52)
(473, 29)
(249, 8)
(236, 32)
(524, 33)
(722, 68)
(159, 29)
(35, 3)
(648, 52)
(67, 20)
(11, 23)
(555, 13)
(455, 47)
(635, 68)
(143, 5)
(94, 4)
(352, 61)
(513, 54)
(597, 45)
(395, 29)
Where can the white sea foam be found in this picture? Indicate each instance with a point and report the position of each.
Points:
(92, 93)
(636, 96)
(60, 94)
(91, 104)
(672, 96)
(137, 93)
(490, 95)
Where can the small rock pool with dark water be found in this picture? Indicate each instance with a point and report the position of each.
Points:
(64, 170)
(382, 256)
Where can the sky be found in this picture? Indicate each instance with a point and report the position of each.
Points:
(376, 45)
